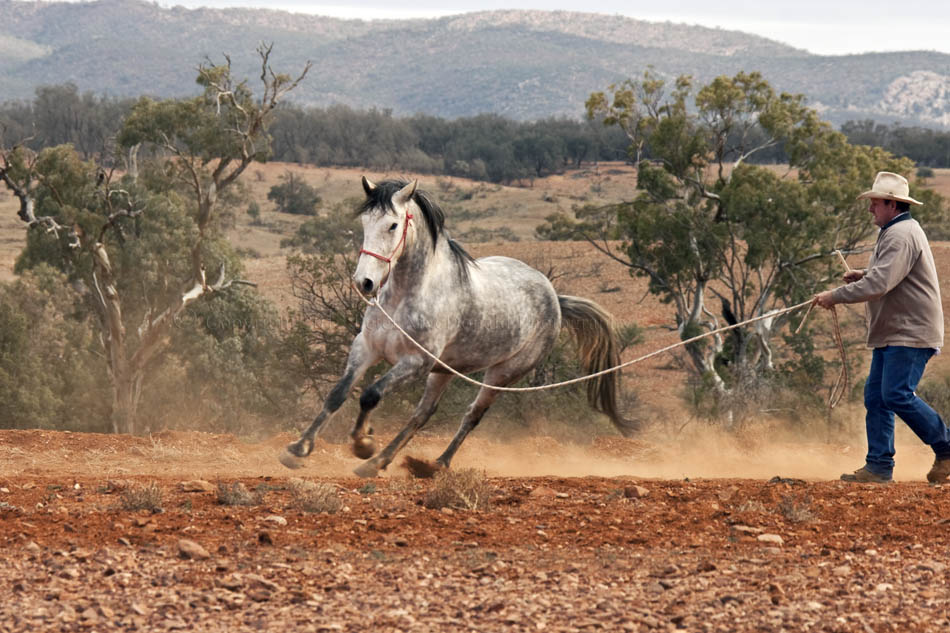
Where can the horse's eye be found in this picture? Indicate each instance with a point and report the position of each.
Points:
(393, 227)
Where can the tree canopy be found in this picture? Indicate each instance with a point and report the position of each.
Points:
(706, 224)
(140, 245)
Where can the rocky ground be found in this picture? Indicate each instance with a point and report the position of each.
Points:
(176, 532)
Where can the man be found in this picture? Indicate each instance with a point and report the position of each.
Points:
(905, 328)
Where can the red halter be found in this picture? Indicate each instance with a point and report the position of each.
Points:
(389, 260)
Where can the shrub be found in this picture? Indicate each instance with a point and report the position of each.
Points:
(237, 494)
(312, 497)
(294, 195)
(936, 393)
(465, 489)
(142, 497)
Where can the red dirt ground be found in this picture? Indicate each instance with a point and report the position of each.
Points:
(577, 538)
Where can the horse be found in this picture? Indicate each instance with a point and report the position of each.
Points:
(494, 314)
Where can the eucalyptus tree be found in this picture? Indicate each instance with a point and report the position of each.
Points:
(719, 239)
(143, 244)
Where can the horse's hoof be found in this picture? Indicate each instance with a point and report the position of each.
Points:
(421, 468)
(364, 446)
(366, 470)
(290, 460)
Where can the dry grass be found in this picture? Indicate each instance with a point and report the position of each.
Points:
(142, 497)
(237, 494)
(313, 497)
(465, 489)
(796, 510)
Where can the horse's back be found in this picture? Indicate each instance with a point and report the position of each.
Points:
(508, 312)
(512, 282)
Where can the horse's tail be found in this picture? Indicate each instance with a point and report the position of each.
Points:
(598, 348)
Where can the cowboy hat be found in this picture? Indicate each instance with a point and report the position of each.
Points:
(889, 186)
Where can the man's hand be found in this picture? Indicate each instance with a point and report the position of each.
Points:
(853, 275)
(824, 299)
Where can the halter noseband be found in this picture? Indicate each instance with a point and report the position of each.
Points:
(402, 240)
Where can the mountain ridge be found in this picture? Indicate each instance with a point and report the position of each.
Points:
(522, 64)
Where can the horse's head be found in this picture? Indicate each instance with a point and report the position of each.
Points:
(388, 216)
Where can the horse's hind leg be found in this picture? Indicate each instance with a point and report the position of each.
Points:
(470, 420)
(500, 376)
(435, 387)
(359, 361)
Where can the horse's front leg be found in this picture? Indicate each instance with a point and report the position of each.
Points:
(408, 368)
(360, 359)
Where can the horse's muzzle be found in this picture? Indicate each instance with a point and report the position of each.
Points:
(367, 287)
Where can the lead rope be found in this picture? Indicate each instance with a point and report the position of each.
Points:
(564, 383)
(837, 390)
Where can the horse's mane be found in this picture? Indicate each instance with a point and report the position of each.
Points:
(382, 196)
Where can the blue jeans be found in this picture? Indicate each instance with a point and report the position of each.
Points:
(895, 372)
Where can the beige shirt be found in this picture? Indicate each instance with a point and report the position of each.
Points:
(901, 290)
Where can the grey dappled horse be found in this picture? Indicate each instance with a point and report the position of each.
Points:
(495, 314)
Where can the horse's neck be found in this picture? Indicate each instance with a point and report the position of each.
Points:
(409, 273)
(421, 268)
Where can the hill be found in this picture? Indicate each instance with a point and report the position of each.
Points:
(522, 64)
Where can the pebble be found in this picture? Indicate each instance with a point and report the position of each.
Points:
(197, 485)
(636, 492)
(276, 519)
(775, 539)
(188, 549)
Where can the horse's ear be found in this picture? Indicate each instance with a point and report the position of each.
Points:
(404, 195)
(368, 186)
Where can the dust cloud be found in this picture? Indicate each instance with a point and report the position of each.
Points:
(694, 452)
(705, 452)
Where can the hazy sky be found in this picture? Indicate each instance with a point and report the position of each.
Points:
(833, 27)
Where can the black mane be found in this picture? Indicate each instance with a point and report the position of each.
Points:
(382, 196)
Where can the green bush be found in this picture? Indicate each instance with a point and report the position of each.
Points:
(294, 195)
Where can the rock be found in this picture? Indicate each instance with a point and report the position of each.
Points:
(635, 492)
(258, 595)
(543, 491)
(256, 580)
(33, 548)
(727, 493)
(139, 608)
(196, 485)
(81, 555)
(276, 520)
(705, 566)
(773, 539)
(842, 570)
(883, 587)
(231, 582)
(776, 593)
(190, 550)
